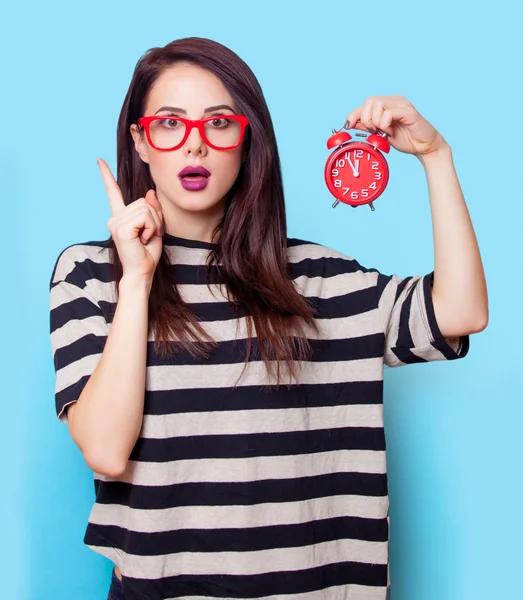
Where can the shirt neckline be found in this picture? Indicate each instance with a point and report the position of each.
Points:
(174, 240)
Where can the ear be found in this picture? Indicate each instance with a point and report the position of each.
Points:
(139, 143)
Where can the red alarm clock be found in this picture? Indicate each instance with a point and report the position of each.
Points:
(357, 172)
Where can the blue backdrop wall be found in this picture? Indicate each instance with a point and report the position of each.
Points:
(452, 428)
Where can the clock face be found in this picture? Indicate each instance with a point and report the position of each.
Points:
(356, 173)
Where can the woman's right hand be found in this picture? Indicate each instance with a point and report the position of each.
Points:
(136, 228)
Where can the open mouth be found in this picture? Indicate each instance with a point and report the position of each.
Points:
(194, 173)
(194, 182)
(194, 177)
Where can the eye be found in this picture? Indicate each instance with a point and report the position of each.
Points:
(169, 123)
(219, 123)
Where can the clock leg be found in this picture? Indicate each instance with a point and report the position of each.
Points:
(371, 206)
(335, 204)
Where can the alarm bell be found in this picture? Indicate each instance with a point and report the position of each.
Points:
(356, 172)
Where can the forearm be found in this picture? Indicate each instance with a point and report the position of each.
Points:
(106, 419)
(459, 292)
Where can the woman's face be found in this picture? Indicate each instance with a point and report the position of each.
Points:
(190, 90)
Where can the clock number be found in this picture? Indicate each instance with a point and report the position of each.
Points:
(373, 185)
(364, 193)
(354, 195)
(358, 153)
(335, 172)
(337, 183)
(375, 164)
(340, 162)
(346, 190)
(377, 175)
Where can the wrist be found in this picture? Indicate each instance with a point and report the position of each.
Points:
(135, 284)
(441, 153)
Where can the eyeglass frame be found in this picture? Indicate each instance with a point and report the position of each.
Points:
(189, 124)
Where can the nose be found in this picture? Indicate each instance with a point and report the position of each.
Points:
(195, 144)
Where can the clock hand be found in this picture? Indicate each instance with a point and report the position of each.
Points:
(354, 171)
(357, 172)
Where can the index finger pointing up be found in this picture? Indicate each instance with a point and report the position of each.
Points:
(112, 188)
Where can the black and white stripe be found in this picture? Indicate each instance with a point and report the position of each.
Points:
(249, 493)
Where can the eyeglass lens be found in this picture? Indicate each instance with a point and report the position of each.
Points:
(169, 132)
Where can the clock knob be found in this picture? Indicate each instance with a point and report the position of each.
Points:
(379, 141)
(338, 139)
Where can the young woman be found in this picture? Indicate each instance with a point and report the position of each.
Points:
(224, 382)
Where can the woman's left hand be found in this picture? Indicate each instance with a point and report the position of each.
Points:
(408, 131)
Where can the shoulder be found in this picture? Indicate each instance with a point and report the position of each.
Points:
(80, 262)
(329, 260)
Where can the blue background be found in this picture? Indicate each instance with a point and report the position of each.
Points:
(452, 428)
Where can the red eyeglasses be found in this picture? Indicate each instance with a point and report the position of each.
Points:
(222, 132)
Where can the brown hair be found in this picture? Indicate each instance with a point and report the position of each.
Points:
(251, 240)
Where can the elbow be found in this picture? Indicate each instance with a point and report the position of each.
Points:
(105, 464)
(481, 318)
(474, 326)
(482, 324)
(97, 455)
(461, 318)
(465, 326)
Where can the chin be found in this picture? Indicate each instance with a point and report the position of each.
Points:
(197, 202)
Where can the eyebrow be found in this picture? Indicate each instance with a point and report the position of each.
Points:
(181, 110)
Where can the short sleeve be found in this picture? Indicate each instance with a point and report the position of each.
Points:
(78, 331)
(412, 334)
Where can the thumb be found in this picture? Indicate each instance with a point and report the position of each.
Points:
(152, 199)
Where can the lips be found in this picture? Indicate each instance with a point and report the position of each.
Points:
(190, 172)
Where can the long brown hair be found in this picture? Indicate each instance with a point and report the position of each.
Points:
(251, 240)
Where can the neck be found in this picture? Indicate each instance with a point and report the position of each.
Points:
(191, 224)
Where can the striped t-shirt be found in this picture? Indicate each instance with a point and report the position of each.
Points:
(251, 492)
